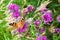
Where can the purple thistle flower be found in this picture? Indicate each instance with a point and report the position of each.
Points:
(57, 30)
(20, 30)
(37, 22)
(43, 10)
(58, 18)
(30, 8)
(16, 14)
(41, 29)
(13, 7)
(41, 38)
(47, 17)
(24, 10)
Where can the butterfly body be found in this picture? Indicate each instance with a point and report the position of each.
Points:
(18, 24)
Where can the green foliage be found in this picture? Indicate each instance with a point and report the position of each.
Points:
(20, 3)
(2, 16)
(32, 31)
(55, 37)
(2, 24)
(4, 35)
(54, 6)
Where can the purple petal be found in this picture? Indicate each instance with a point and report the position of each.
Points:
(13, 7)
(24, 10)
(43, 10)
(47, 17)
(37, 22)
(16, 14)
(41, 38)
(57, 30)
(58, 18)
(42, 29)
(30, 8)
(23, 29)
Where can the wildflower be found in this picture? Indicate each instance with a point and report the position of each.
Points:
(43, 10)
(58, 18)
(41, 38)
(16, 14)
(13, 7)
(30, 8)
(20, 30)
(41, 29)
(24, 10)
(47, 17)
(57, 30)
(37, 22)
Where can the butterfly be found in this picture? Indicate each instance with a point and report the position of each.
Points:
(20, 23)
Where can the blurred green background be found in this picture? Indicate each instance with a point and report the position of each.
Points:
(5, 35)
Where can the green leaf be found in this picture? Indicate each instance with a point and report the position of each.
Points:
(2, 16)
(33, 2)
(3, 23)
(19, 3)
(55, 37)
(32, 31)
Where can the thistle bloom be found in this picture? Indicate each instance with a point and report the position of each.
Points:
(30, 8)
(24, 10)
(57, 30)
(13, 7)
(37, 22)
(16, 14)
(43, 10)
(42, 30)
(58, 18)
(47, 17)
(41, 38)
(20, 30)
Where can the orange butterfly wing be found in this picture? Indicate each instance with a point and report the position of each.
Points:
(21, 23)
